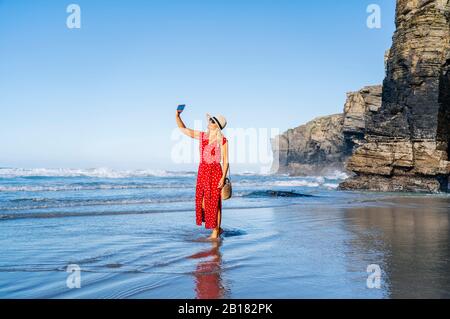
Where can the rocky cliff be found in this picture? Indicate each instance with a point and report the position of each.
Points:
(358, 109)
(406, 142)
(323, 145)
(311, 149)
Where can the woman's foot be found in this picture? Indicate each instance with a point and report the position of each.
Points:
(216, 233)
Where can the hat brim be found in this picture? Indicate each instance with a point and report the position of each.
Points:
(208, 117)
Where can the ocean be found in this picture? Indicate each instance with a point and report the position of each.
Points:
(132, 234)
(41, 193)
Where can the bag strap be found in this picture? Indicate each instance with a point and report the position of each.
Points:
(229, 170)
(229, 173)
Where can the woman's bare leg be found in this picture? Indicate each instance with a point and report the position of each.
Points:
(218, 230)
(203, 208)
(219, 221)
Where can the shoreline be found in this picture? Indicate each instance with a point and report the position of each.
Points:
(372, 196)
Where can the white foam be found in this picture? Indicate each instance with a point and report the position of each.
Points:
(282, 183)
(91, 172)
(62, 188)
(337, 175)
(296, 183)
(291, 181)
(46, 204)
(320, 179)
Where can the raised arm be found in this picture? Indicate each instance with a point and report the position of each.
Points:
(187, 131)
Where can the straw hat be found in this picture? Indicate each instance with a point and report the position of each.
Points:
(220, 120)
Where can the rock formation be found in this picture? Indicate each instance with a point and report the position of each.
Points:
(406, 142)
(358, 109)
(311, 149)
(323, 145)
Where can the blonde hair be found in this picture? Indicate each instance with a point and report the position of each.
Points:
(219, 139)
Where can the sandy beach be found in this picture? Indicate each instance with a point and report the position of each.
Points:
(299, 251)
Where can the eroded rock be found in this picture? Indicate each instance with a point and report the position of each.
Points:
(323, 145)
(407, 139)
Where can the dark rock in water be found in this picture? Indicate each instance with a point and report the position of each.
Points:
(233, 232)
(394, 183)
(273, 193)
(407, 140)
(323, 145)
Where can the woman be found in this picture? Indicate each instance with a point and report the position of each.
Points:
(211, 175)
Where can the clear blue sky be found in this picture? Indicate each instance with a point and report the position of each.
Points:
(105, 94)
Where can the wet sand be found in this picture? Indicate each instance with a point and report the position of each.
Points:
(301, 251)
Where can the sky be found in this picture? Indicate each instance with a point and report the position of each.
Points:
(105, 95)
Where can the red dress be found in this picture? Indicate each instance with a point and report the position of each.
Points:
(208, 178)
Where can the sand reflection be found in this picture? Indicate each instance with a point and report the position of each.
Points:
(208, 273)
(411, 238)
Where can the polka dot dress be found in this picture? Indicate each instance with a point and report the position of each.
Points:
(208, 178)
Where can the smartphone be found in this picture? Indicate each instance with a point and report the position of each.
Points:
(181, 107)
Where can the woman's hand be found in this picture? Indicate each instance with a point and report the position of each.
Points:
(221, 183)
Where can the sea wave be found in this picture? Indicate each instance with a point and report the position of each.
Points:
(46, 203)
(75, 187)
(103, 179)
(314, 183)
(300, 182)
(311, 182)
(33, 203)
(103, 172)
(16, 215)
(90, 172)
(337, 175)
